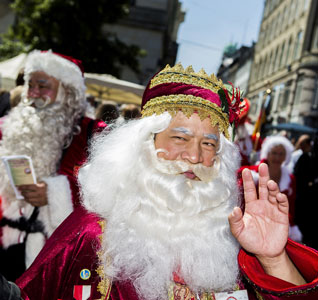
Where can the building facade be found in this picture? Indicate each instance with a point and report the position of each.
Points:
(285, 64)
(153, 26)
(236, 67)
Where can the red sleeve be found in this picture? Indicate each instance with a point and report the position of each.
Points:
(269, 287)
(75, 155)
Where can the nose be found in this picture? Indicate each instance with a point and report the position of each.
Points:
(193, 153)
(33, 92)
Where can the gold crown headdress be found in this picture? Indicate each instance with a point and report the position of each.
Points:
(177, 89)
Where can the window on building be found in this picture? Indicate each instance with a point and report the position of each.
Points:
(274, 68)
(281, 58)
(287, 54)
(299, 88)
(266, 10)
(279, 95)
(282, 18)
(285, 96)
(286, 16)
(259, 68)
(306, 5)
(297, 45)
(269, 65)
(262, 70)
(266, 65)
(275, 96)
(291, 12)
(314, 45)
(297, 10)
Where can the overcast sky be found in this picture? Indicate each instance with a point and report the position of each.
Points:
(210, 25)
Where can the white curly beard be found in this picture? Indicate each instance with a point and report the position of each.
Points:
(157, 223)
(38, 133)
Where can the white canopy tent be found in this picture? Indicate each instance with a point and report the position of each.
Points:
(9, 70)
(101, 86)
(108, 87)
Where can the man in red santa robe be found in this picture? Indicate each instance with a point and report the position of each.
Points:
(162, 219)
(49, 126)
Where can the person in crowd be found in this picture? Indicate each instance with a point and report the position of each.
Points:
(4, 102)
(108, 112)
(243, 138)
(48, 126)
(306, 206)
(9, 99)
(130, 111)
(161, 217)
(276, 153)
(303, 145)
(91, 106)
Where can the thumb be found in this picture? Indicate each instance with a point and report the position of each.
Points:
(236, 221)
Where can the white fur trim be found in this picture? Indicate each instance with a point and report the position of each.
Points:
(59, 203)
(58, 67)
(13, 209)
(272, 141)
(284, 179)
(33, 246)
(295, 233)
(11, 236)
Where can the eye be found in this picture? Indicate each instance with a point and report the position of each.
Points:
(210, 144)
(181, 138)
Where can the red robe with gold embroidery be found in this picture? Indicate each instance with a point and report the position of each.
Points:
(61, 268)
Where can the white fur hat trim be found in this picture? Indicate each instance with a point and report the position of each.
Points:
(56, 66)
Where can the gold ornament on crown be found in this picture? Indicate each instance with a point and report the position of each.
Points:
(178, 74)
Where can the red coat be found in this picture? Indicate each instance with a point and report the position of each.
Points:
(73, 248)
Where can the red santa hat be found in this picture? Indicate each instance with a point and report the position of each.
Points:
(64, 68)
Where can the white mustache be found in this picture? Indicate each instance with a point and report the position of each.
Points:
(175, 167)
(38, 102)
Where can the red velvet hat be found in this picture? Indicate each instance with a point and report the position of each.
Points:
(177, 89)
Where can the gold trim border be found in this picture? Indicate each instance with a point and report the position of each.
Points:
(188, 104)
(104, 286)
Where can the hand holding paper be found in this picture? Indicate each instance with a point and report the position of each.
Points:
(20, 171)
(35, 194)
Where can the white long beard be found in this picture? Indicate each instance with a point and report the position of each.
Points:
(40, 134)
(156, 223)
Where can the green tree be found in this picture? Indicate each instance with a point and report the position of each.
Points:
(73, 27)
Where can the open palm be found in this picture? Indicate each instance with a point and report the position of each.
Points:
(263, 229)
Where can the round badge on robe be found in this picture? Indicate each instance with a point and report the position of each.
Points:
(85, 274)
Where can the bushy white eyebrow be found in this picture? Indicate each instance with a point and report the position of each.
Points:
(186, 131)
(183, 130)
(211, 136)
